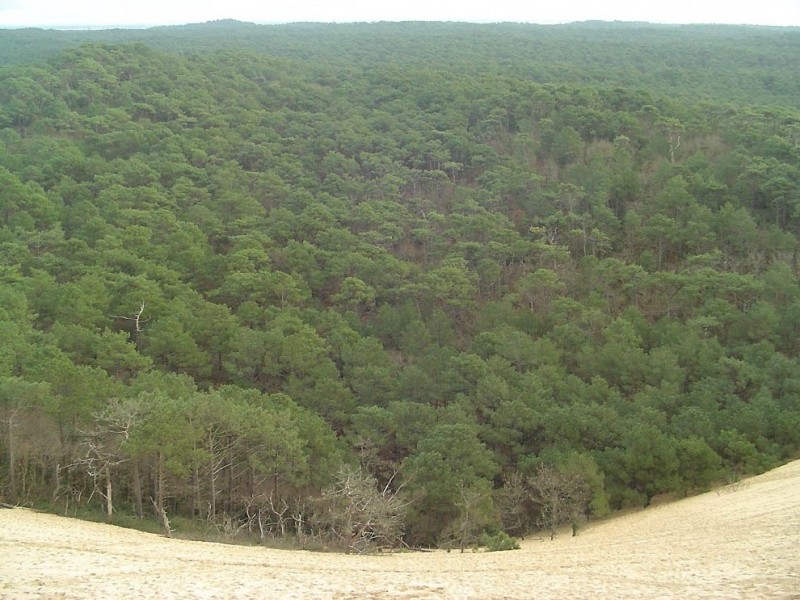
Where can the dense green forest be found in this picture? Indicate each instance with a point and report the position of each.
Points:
(371, 285)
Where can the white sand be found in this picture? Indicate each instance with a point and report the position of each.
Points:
(740, 542)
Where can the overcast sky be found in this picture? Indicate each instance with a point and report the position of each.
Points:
(98, 13)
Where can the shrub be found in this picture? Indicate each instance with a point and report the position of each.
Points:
(498, 542)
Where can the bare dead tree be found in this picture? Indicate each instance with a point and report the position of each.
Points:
(673, 130)
(560, 496)
(98, 461)
(159, 508)
(102, 445)
(512, 501)
(269, 513)
(358, 514)
(299, 514)
(138, 323)
(279, 509)
(473, 503)
(220, 447)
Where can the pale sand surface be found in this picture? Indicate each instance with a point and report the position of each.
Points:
(739, 542)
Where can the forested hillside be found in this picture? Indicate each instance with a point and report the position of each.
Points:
(379, 284)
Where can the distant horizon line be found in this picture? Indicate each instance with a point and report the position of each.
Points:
(143, 26)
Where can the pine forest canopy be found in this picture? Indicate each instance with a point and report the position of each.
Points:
(375, 284)
(747, 64)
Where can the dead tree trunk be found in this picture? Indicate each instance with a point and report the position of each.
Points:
(279, 511)
(158, 503)
(109, 496)
(212, 481)
(164, 519)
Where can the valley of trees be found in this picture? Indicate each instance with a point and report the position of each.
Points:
(371, 285)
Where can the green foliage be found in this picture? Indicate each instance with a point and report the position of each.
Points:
(498, 542)
(449, 470)
(699, 466)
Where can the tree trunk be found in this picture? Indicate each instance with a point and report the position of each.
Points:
(25, 470)
(160, 484)
(228, 487)
(159, 502)
(12, 484)
(109, 498)
(57, 480)
(196, 509)
(137, 491)
(212, 475)
(164, 519)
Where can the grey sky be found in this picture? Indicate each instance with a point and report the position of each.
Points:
(48, 13)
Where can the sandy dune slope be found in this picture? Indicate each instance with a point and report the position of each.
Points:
(740, 542)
